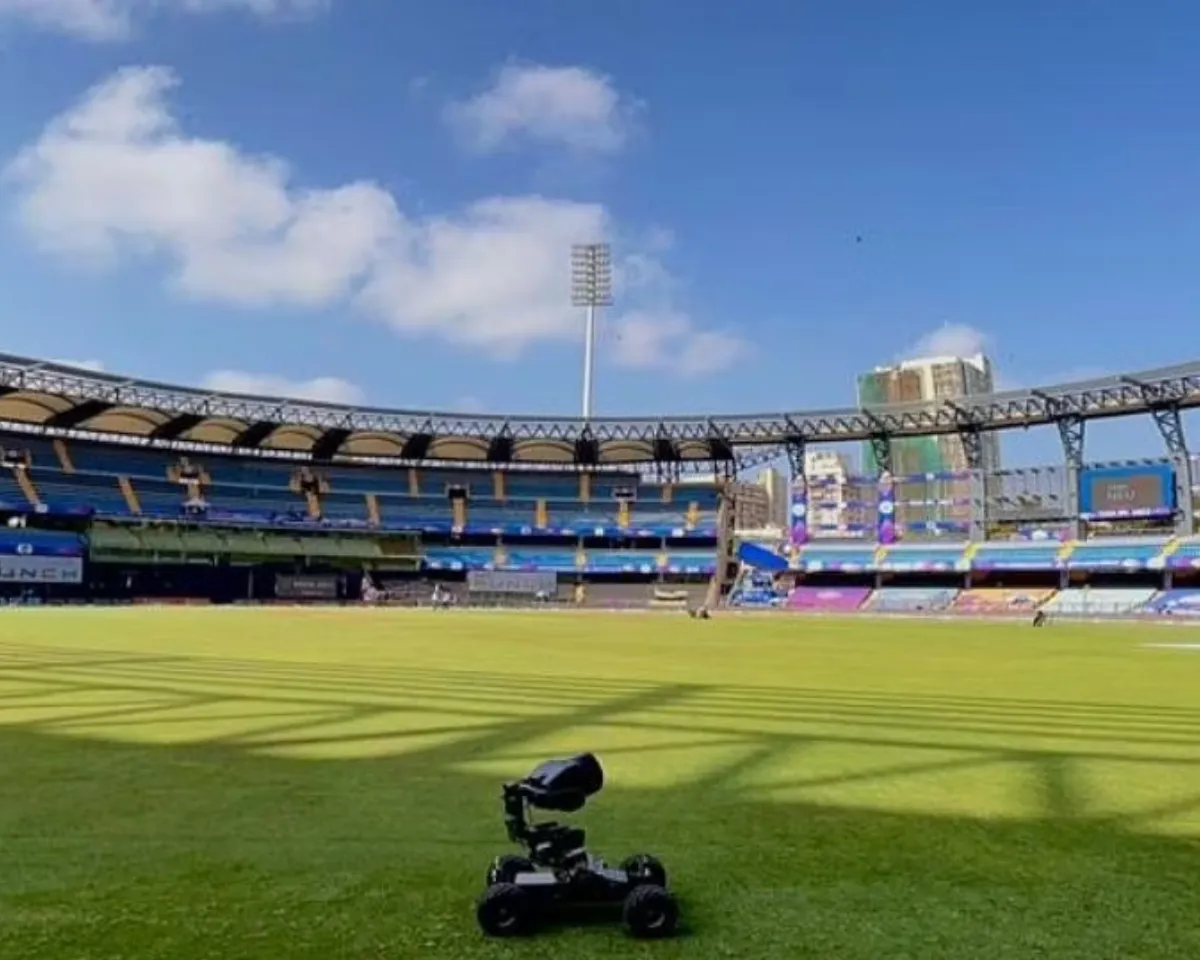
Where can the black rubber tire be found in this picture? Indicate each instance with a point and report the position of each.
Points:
(650, 913)
(644, 868)
(504, 868)
(504, 910)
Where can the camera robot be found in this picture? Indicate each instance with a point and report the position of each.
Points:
(558, 871)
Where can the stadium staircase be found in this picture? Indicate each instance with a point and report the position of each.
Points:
(131, 498)
(1168, 551)
(969, 553)
(459, 505)
(1065, 551)
(193, 480)
(372, 509)
(623, 515)
(25, 482)
(302, 483)
(498, 491)
(414, 482)
(541, 517)
(64, 456)
(720, 578)
(693, 516)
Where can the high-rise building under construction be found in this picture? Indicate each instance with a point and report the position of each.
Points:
(929, 379)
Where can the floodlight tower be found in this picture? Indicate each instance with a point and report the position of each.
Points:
(591, 288)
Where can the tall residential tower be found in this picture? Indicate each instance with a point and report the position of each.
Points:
(929, 379)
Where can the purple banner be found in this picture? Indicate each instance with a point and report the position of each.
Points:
(886, 530)
(799, 512)
(827, 598)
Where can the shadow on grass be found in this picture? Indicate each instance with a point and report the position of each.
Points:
(213, 849)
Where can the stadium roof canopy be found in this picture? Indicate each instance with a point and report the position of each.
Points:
(52, 397)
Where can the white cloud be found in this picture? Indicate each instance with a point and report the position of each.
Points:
(95, 366)
(103, 20)
(496, 277)
(115, 178)
(950, 340)
(114, 175)
(468, 404)
(323, 389)
(669, 341)
(569, 106)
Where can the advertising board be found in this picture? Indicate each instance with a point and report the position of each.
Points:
(44, 570)
(306, 587)
(1138, 491)
(40, 543)
(523, 582)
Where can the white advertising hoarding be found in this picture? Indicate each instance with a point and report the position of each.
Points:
(41, 569)
(528, 582)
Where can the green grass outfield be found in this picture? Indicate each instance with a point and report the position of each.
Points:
(286, 784)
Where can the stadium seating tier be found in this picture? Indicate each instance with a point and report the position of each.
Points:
(124, 482)
(121, 481)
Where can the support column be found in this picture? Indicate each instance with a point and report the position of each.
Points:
(1071, 432)
(795, 453)
(972, 443)
(1170, 427)
(881, 450)
(1185, 515)
(797, 494)
(979, 506)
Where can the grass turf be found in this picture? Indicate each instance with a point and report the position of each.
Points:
(305, 784)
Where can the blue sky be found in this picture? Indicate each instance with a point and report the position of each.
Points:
(374, 199)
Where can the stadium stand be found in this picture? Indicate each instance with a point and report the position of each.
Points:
(41, 543)
(924, 557)
(1185, 555)
(1098, 601)
(411, 500)
(117, 481)
(1000, 600)
(1175, 603)
(1123, 554)
(829, 599)
(910, 600)
(1017, 556)
(816, 558)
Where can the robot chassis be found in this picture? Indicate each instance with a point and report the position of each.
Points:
(558, 872)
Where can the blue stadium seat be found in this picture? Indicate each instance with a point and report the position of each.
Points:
(460, 558)
(159, 498)
(1186, 556)
(818, 557)
(925, 557)
(259, 490)
(113, 460)
(11, 494)
(691, 561)
(539, 486)
(561, 561)
(1017, 556)
(1098, 555)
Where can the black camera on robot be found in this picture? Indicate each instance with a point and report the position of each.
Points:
(557, 870)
